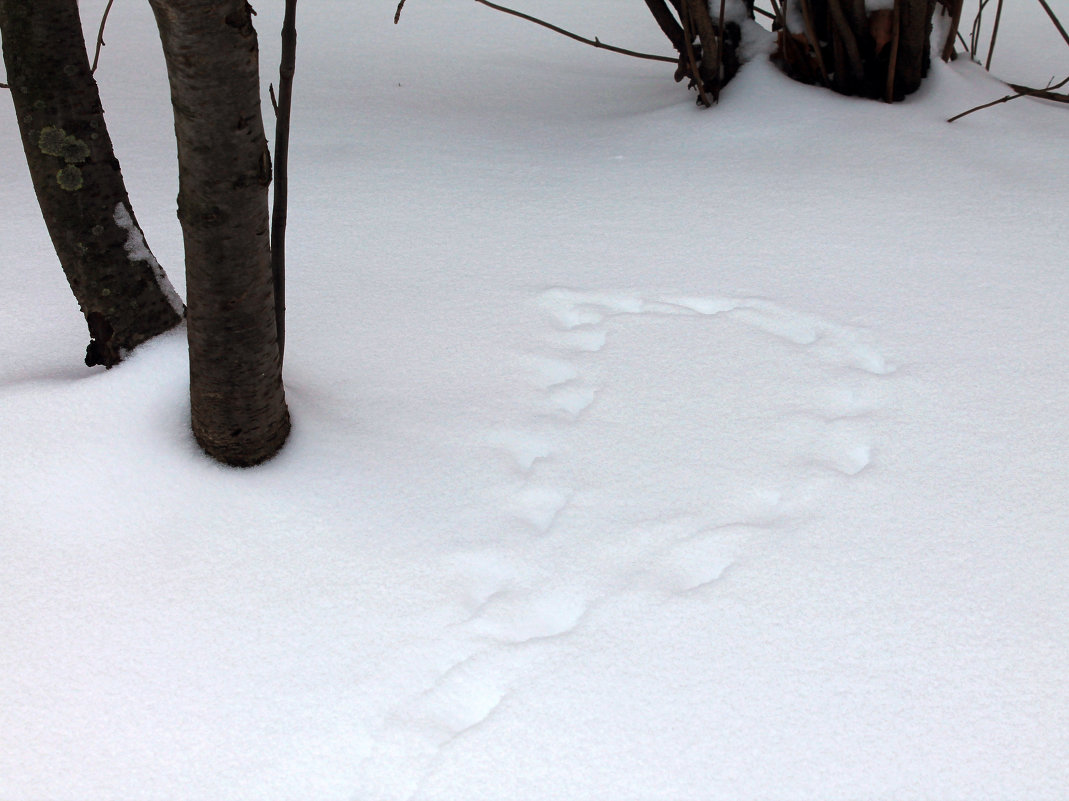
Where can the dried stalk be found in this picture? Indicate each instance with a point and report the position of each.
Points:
(688, 38)
(1024, 92)
(955, 23)
(595, 42)
(719, 54)
(100, 36)
(849, 41)
(896, 38)
(994, 36)
(811, 35)
(1054, 19)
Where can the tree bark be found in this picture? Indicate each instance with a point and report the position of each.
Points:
(879, 54)
(708, 56)
(239, 413)
(121, 289)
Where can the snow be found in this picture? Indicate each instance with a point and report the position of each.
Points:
(639, 451)
(138, 250)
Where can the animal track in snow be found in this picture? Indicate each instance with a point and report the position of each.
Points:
(522, 616)
(540, 505)
(524, 447)
(588, 506)
(581, 322)
(571, 399)
(550, 373)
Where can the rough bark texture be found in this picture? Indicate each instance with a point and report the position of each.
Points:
(708, 56)
(880, 54)
(123, 293)
(238, 404)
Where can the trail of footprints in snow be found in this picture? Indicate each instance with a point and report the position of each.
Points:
(580, 319)
(516, 607)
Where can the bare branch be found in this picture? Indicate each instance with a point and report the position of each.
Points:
(994, 36)
(896, 41)
(667, 23)
(100, 36)
(595, 42)
(955, 23)
(688, 38)
(1042, 94)
(1022, 92)
(1054, 19)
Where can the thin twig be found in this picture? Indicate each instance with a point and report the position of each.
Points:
(896, 40)
(4, 86)
(1025, 93)
(688, 38)
(811, 35)
(1054, 19)
(955, 23)
(763, 13)
(849, 41)
(994, 36)
(595, 42)
(719, 53)
(286, 70)
(974, 35)
(100, 36)
(1042, 94)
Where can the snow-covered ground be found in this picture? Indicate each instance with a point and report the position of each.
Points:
(639, 452)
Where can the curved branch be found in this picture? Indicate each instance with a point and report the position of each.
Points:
(1054, 19)
(595, 42)
(100, 35)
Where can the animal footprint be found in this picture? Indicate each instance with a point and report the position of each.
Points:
(700, 559)
(572, 399)
(523, 447)
(521, 616)
(540, 506)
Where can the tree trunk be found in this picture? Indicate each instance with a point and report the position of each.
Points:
(121, 289)
(238, 404)
(883, 53)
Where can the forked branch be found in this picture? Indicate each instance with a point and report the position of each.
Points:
(1022, 91)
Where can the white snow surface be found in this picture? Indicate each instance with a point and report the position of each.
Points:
(639, 451)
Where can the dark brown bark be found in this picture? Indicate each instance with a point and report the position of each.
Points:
(668, 24)
(122, 291)
(882, 54)
(707, 47)
(280, 206)
(239, 413)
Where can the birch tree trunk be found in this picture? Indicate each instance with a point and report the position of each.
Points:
(121, 289)
(239, 413)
